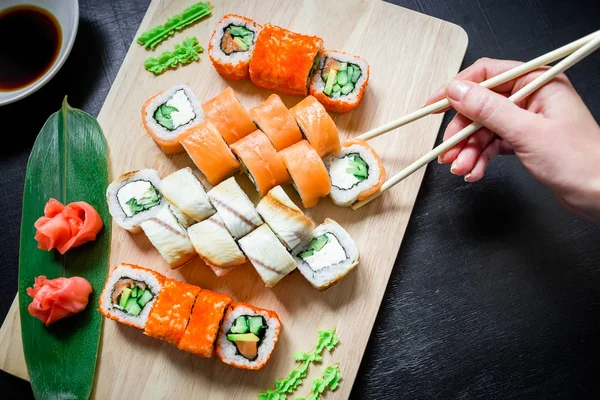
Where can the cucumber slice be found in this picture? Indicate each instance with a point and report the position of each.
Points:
(342, 78)
(315, 245)
(356, 75)
(337, 88)
(134, 292)
(241, 43)
(256, 325)
(124, 297)
(132, 307)
(239, 31)
(347, 88)
(144, 298)
(350, 70)
(330, 82)
(248, 40)
(336, 94)
(342, 66)
(240, 325)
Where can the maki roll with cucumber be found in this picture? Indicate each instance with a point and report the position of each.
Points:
(185, 191)
(317, 126)
(134, 197)
(328, 256)
(340, 81)
(248, 336)
(129, 294)
(232, 44)
(356, 172)
(167, 115)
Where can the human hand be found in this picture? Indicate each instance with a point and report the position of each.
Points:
(552, 132)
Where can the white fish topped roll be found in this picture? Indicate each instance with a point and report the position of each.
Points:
(286, 220)
(268, 256)
(185, 191)
(215, 245)
(134, 197)
(183, 219)
(329, 255)
(235, 208)
(169, 238)
(169, 114)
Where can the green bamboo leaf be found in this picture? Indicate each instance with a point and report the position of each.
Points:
(68, 162)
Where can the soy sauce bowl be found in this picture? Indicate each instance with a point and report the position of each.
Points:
(66, 13)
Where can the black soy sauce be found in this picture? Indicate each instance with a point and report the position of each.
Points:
(30, 42)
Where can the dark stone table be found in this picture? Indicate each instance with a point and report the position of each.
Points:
(496, 290)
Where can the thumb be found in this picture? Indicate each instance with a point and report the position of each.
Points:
(491, 110)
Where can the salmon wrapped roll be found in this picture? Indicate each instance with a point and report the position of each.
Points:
(340, 82)
(229, 117)
(232, 44)
(261, 161)
(274, 119)
(201, 332)
(284, 61)
(210, 153)
(309, 175)
(248, 336)
(317, 126)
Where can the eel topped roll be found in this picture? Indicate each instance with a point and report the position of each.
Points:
(129, 294)
(356, 172)
(134, 197)
(235, 208)
(309, 175)
(340, 82)
(329, 255)
(317, 126)
(286, 220)
(284, 61)
(185, 191)
(183, 219)
(274, 119)
(268, 256)
(228, 116)
(261, 161)
(247, 336)
(167, 115)
(232, 44)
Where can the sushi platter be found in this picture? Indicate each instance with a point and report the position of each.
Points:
(263, 235)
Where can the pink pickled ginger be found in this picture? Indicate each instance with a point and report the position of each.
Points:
(58, 298)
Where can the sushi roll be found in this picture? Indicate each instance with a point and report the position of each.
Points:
(329, 255)
(229, 116)
(201, 333)
(129, 294)
(261, 161)
(134, 197)
(284, 218)
(231, 46)
(167, 115)
(171, 312)
(215, 245)
(340, 81)
(268, 256)
(317, 126)
(169, 238)
(185, 191)
(274, 119)
(356, 172)
(183, 219)
(235, 208)
(309, 175)
(284, 61)
(209, 152)
(247, 336)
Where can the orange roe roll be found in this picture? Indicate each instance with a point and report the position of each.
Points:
(201, 333)
(284, 60)
(262, 162)
(231, 46)
(317, 126)
(275, 120)
(210, 153)
(309, 175)
(229, 117)
(169, 316)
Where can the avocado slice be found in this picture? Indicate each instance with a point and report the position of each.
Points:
(242, 337)
(256, 324)
(132, 307)
(240, 325)
(330, 82)
(124, 297)
(144, 298)
(239, 31)
(241, 43)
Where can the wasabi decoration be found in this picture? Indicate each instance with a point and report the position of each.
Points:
(151, 38)
(183, 54)
(330, 380)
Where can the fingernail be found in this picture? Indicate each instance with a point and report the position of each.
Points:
(456, 90)
(440, 160)
(453, 168)
(467, 177)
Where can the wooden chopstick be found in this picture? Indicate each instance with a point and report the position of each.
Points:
(531, 87)
(490, 83)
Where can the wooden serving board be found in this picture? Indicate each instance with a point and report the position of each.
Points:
(410, 55)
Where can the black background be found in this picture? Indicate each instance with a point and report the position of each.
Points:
(496, 290)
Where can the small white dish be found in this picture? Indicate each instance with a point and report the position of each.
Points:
(66, 13)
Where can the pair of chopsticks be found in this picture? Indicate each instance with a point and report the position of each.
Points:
(574, 52)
